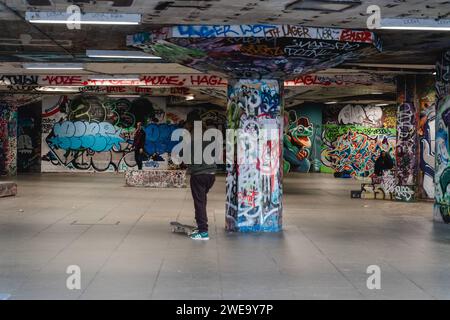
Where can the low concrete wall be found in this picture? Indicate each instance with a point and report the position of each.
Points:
(156, 178)
(7, 189)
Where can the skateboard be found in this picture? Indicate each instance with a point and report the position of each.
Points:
(182, 228)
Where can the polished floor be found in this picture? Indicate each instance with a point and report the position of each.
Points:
(121, 240)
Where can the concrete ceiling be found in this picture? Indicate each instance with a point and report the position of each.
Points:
(17, 36)
(311, 12)
(21, 41)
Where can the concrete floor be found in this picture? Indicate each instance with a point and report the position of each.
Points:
(121, 239)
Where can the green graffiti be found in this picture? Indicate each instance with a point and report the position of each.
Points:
(297, 143)
(444, 181)
(331, 131)
(176, 53)
(354, 149)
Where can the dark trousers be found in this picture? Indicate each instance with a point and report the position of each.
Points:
(200, 185)
(138, 159)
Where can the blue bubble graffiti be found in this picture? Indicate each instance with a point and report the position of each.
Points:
(158, 138)
(96, 136)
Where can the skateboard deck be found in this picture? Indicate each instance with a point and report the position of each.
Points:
(182, 228)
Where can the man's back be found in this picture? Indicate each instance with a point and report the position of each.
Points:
(202, 167)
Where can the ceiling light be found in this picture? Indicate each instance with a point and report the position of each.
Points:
(190, 97)
(415, 24)
(85, 18)
(331, 102)
(120, 54)
(59, 89)
(124, 96)
(323, 5)
(377, 92)
(53, 66)
(381, 104)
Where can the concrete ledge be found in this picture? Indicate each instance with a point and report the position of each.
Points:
(378, 191)
(374, 191)
(156, 178)
(7, 189)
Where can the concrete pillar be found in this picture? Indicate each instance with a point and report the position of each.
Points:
(407, 137)
(442, 165)
(426, 96)
(8, 139)
(254, 156)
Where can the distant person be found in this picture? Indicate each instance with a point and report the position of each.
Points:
(383, 163)
(201, 181)
(138, 144)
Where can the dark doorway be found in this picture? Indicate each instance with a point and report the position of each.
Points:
(29, 138)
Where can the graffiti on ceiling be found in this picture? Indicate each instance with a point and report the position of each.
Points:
(255, 51)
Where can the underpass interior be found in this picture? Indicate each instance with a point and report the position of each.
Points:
(338, 95)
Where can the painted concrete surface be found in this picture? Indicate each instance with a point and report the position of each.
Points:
(121, 239)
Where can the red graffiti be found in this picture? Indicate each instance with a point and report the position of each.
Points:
(180, 90)
(356, 36)
(116, 89)
(248, 198)
(309, 80)
(143, 90)
(63, 80)
(163, 80)
(110, 82)
(209, 80)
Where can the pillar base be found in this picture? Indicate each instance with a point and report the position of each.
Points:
(441, 213)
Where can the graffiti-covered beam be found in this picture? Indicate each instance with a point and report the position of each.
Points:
(147, 83)
(151, 80)
(257, 51)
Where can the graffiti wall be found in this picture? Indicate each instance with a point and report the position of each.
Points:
(29, 138)
(442, 164)
(302, 138)
(360, 115)
(353, 137)
(8, 139)
(95, 133)
(254, 178)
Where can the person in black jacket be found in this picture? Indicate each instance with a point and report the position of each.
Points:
(384, 162)
(201, 181)
(138, 144)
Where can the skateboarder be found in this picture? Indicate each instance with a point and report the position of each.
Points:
(201, 181)
(138, 144)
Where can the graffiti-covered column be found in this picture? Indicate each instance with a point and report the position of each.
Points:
(263, 52)
(8, 139)
(254, 156)
(442, 165)
(407, 137)
(426, 96)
